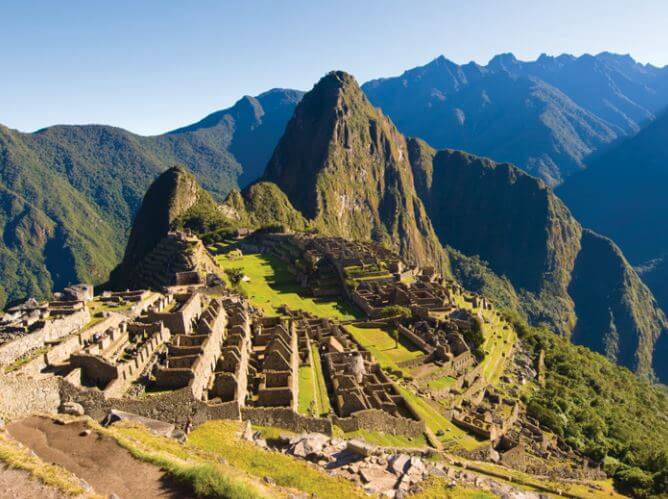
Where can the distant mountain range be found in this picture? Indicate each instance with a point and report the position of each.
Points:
(545, 116)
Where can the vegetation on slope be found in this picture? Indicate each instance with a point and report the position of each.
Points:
(602, 410)
(573, 280)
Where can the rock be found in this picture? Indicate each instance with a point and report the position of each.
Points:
(360, 447)
(2, 424)
(71, 408)
(269, 480)
(113, 496)
(377, 480)
(398, 463)
(155, 426)
(494, 456)
(85, 433)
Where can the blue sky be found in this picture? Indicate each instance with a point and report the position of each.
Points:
(151, 66)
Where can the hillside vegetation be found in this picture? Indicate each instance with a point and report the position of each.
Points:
(602, 410)
(69, 193)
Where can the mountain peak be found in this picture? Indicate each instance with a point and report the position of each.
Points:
(503, 61)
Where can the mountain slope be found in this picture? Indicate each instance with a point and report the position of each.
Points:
(55, 182)
(345, 167)
(546, 116)
(622, 193)
(572, 279)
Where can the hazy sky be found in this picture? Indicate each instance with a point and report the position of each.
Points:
(151, 66)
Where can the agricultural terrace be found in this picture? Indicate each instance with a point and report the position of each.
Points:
(500, 339)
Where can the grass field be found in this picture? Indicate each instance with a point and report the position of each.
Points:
(271, 286)
(387, 440)
(383, 346)
(321, 397)
(498, 343)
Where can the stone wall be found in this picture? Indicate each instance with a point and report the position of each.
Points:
(52, 330)
(283, 417)
(21, 395)
(415, 339)
(381, 421)
(63, 350)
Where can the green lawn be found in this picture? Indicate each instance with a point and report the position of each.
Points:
(271, 286)
(320, 388)
(383, 347)
(440, 383)
(387, 440)
(306, 391)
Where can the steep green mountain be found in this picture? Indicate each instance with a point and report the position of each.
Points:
(545, 116)
(68, 193)
(345, 167)
(622, 194)
(572, 279)
(173, 201)
(342, 165)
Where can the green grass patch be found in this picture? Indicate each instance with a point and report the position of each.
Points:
(271, 285)
(320, 388)
(384, 347)
(387, 440)
(205, 475)
(307, 402)
(440, 383)
(219, 437)
(437, 422)
(438, 488)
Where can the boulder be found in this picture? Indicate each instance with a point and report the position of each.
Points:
(360, 447)
(399, 463)
(71, 408)
(377, 480)
(155, 426)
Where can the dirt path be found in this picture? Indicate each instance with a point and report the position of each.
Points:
(18, 484)
(96, 458)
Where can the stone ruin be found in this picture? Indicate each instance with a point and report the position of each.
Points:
(490, 418)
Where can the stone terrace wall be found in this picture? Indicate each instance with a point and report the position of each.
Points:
(21, 395)
(381, 421)
(52, 330)
(283, 417)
